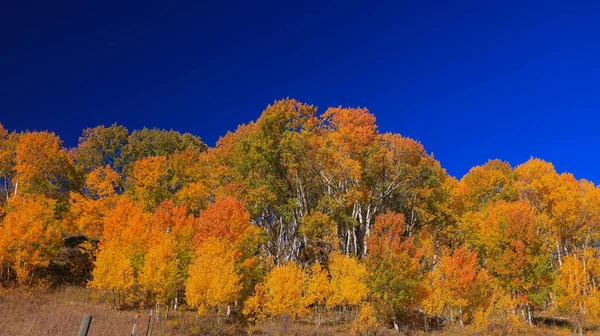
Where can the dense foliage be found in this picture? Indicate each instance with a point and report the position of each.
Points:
(298, 213)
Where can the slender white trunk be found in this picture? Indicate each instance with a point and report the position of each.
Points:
(559, 255)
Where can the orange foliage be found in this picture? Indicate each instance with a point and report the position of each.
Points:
(30, 235)
(225, 219)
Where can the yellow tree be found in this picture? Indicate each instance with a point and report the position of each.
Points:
(87, 211)
(487, 183)
(348, 276)
(158, 275)
(566, 222)
(226, 219)
(512, 243)
(285, 291)
(535, 181)
(127, 226)
(213, 280)
(30, 235)
(149, 181)
(42, 165)
(121, 251)
(175, 224)
(318, 289)
(113, 273)
(190, 179)
(346, 140)
(366, 321)
(254, 307)
(576, 293)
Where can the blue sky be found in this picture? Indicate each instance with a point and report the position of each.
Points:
(471, 80)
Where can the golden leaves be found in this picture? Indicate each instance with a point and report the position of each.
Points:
(29, 235)
(212, 280)
(285, 291)
(348, 276)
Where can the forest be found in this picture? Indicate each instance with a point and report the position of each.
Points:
(301, 216)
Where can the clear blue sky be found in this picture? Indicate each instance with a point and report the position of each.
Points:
(471, 80)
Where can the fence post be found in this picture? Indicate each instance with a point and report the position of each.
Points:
(85, 325)
(149, 321)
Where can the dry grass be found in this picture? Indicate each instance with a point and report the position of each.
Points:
(60, 312)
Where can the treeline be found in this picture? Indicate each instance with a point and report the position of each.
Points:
(298, 214)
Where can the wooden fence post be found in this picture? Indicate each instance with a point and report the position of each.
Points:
(149, 321)
(85, 325)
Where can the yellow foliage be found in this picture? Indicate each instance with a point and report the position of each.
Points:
(285, 288)
(254, 307)
(348, 277)
(113, 271)
(212, 280)
(366, 323)
(42, 165)
(127, 225)
(576, 294)
(101, 182)
(159, 272)
(318, 288)
(149, 179)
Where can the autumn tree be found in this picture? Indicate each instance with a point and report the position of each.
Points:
(577, 291)
(87, 209)
(114, 274)
(511, 239)
(285, 291)
(453, 283)
(157, 142)
(30, 236)
(318, 290)
(122, 248)
(298, 211)
(102, 146)
(320, 236)
(487, 183)
(158, 275)
(174, 226)
(43, 166)
(191, 180)
(149, 182)
(348, 281)
(8, 142)
(213, 280)
(394, 273)
(227, 219)
(366, 321)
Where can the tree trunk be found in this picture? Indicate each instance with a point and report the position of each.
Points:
(559, 254)
(396, 327)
